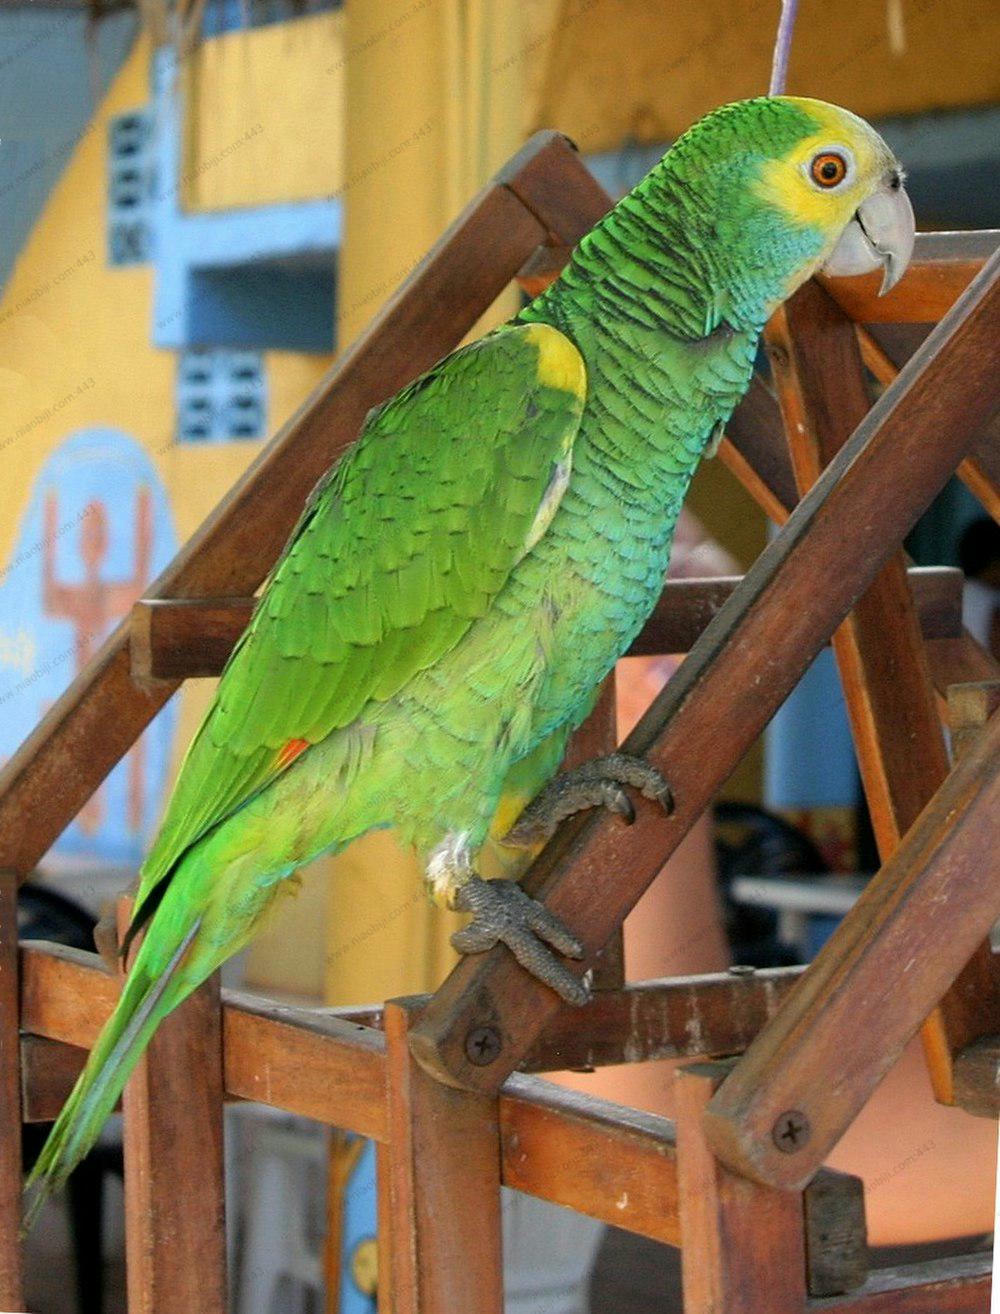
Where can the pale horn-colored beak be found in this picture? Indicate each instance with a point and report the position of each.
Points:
(880, 236)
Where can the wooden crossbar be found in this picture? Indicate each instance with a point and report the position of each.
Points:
(885, 672)
(183, 639)
(321, 1064)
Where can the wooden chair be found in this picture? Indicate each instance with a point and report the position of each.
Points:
(444, 1084)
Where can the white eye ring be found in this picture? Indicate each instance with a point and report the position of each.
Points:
(833, 149)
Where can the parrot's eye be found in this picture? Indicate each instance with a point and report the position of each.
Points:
(828, 169)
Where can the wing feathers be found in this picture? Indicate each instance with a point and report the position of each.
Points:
(398, 550)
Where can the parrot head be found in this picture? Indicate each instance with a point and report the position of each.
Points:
(781, 187)
(844, 180)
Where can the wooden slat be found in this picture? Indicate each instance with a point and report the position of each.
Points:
(886, 348)
(49, 1069)
(11, 1271)
(948, 1286)
(602, 1159)
(743, 1245)
(172, 646)
(175, 1214)
(680, 1017)
(687, 606)
(185, 638)
(884, 968)
(943, 266)
(446, 1246)
(306, 1061)
(898, 739)
(744, 665)
(596, 737)
(959, 661)
(977, 1078)
(383, 1208)
(836, 1233)
(67, 995)
(103, 711)
(754, 452)
(310, 1064)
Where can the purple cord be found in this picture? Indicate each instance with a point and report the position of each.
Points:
(782, 47)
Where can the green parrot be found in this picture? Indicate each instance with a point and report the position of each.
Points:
(464, 578)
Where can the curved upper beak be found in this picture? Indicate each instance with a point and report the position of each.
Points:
(879, 236)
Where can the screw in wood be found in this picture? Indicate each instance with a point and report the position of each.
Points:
(482, 1045)
(791, 1131)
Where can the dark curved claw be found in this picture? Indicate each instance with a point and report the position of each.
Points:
(597, 783)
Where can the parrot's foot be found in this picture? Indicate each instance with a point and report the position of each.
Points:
(503, 913)
(597, 783)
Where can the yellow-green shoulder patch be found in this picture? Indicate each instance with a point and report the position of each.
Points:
(560, 364)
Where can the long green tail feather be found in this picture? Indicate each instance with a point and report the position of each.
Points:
(143, 1004)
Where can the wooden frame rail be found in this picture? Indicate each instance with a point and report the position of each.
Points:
(621, 1167)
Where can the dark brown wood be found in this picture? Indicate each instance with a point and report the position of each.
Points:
(613, 1163)
(445, 1248)
(884, 968)
(273, 1047)
(977, 1078)
(103, 711)
(687, 606)
(11, 1271)
(754, 452)
(836, 1233)
(886, 348)
(175, 1217)
(171, 645)
(949, 1286)
(554, 184)
(680, 1017)
(49, 1069)
(959, 661)
(742, 1244)
(898, 739)
(185, 637)
(597, 736)
(742, 668)
(943, 266)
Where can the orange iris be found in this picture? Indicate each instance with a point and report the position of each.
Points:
(829, 169)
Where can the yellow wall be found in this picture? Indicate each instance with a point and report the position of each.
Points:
(265, 115)
(646, 69)
(75, 351)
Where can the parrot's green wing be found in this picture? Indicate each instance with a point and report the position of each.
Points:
(401, 547)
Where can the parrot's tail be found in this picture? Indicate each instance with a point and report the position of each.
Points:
(144, 1001)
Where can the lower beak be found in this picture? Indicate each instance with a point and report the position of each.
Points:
(879, 236)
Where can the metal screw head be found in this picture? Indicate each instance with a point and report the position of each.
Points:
(791, 1131)
(482, 1045)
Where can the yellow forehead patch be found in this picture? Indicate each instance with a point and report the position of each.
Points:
(560, 364)
(785, 182)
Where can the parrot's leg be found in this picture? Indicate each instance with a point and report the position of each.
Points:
(503, 913)
(597, 783)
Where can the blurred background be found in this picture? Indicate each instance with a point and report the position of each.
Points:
(201, 204)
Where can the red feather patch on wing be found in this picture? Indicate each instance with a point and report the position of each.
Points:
(290, 752)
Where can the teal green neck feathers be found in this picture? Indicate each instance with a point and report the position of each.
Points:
(653, 260)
